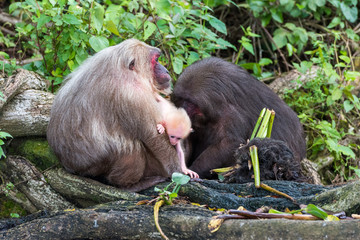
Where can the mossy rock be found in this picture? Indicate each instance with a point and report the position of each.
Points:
(36, 150)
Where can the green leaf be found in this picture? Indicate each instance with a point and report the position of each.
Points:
(320, 3)
(274, 211)
(290, 49)
(173, 195)
(336, 94)
(265, 20)
(316, 211)
(14, 215)
(351, 75)
(193, 57)
(42, 20)
(57, 20)
(223, 44)
(149, 29)
(334, 146)
(350, 13)
(110, 26)
(180, 178)
(312, 5)
(334, 22)
(133, 5)
(348, 106)
(163, 8)
(177, 65)
(4, 135)
(280, 37)
(53, 2)
(97, 17)
(276, 14)
(71, 19)
(98, 43)
(265, 61)
(356, 170)
(4, 54)
(345, 59)
(218, 25)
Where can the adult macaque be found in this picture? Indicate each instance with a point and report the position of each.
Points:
(224, 102)
(177, 124)
(103, 118)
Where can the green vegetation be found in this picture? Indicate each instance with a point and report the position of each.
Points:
(267, 38)
(3, 136)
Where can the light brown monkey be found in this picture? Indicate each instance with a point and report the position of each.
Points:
(103, 118)
(177, 124)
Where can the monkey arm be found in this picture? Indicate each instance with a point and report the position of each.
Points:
(181, 156)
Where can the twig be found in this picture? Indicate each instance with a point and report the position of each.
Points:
(280, 52)
(255, 215)
(23, 62)
(5, 30)
(270, 189)
(7, 18)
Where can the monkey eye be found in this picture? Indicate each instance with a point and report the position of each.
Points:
(132, 65)
(174, 137)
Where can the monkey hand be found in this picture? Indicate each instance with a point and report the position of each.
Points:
(160, 128)
(191, 173)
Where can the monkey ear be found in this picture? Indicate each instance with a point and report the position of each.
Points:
(132, 65)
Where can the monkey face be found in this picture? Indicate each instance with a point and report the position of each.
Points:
(174, 139)
(175, 135)
(161, 74)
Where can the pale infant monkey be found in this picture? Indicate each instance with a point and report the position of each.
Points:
(177, 124)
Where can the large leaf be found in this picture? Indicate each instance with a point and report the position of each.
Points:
(348, 106)
(163, 8)
(177, 65)
(5, 135)
(149, 29)
(98, 43)
(316, 211)
(276, 14)
(110, 25)
(71, 19)
(350, 13)
(97, 17)
(336, 94)
(218, 25)
(280, 37)
(42, 20)
(180, 178)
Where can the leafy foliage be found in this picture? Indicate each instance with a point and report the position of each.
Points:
(3, 136)
(178, 179)
(65, 33)
(329, 110)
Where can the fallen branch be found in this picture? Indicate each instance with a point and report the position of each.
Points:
(256, 215)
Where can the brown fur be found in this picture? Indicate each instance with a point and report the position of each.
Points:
(103, 120)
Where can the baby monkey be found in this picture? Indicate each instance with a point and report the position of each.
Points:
(177, 124)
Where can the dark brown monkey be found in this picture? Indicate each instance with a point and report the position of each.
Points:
(103, 120)
(224, 102)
